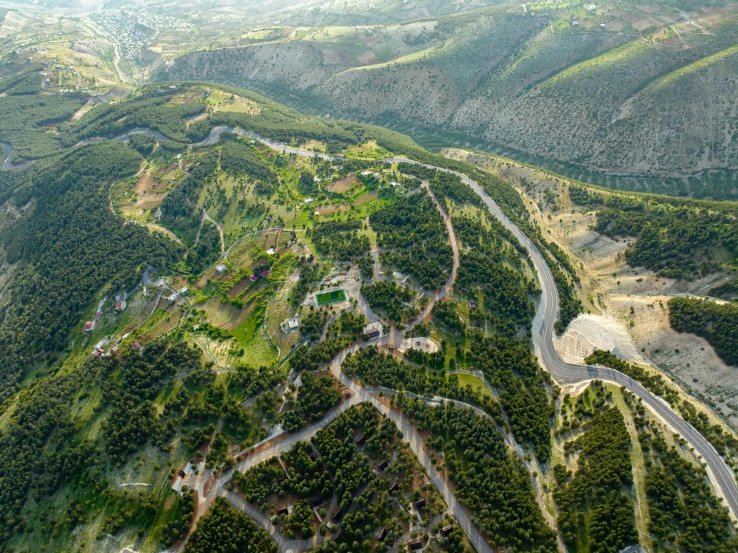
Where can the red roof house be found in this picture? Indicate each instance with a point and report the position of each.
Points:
(89, 326)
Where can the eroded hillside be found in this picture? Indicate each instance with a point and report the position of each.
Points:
(629, 91)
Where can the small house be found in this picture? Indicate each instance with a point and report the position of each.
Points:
(120, 306)
(393, 487)
(318, 501)
(381, 466)
(270, 251)
(373, 330)
(89, 326)
(183, 291)
(382, 534)
(136, 345)
(419, 504)
(446, 530)
(253, 278)
(221, 268)
(172, 297)
(361, 440)
(282, 511)
(265, 274)
(415, 545)
(338, 517)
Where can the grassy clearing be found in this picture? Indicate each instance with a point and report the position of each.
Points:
(369, 150)
(476, 383)
(222, 101)
(259, 351)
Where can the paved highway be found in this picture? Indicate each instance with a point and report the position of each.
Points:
(543, 335)
(543, 328)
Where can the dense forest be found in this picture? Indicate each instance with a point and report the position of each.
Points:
(595, 511)
(492, 267)
(339, 240)
(344, 475)
(340, 334)
(489, 479)
(374, 368)
(510, 367)
(685, 514)
(393, 300)
(716, 323)
(686, 240)
(149, 110)
(25, 119)
(228, 530)
(69, 245)
(315, 396)
(415, 239)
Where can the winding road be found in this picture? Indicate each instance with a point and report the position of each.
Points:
(543, 341)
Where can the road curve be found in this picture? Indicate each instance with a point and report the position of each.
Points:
(543, 341)
(543, 323)
(543, 329)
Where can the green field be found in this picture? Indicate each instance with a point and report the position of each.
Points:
(330, 297)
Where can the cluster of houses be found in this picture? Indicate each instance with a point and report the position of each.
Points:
(263, 274)
(178, 295)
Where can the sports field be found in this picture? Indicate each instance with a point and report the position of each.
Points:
(330, 297)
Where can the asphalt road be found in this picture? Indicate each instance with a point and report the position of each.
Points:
(543, 334)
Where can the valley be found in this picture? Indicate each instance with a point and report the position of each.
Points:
(470, 287)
